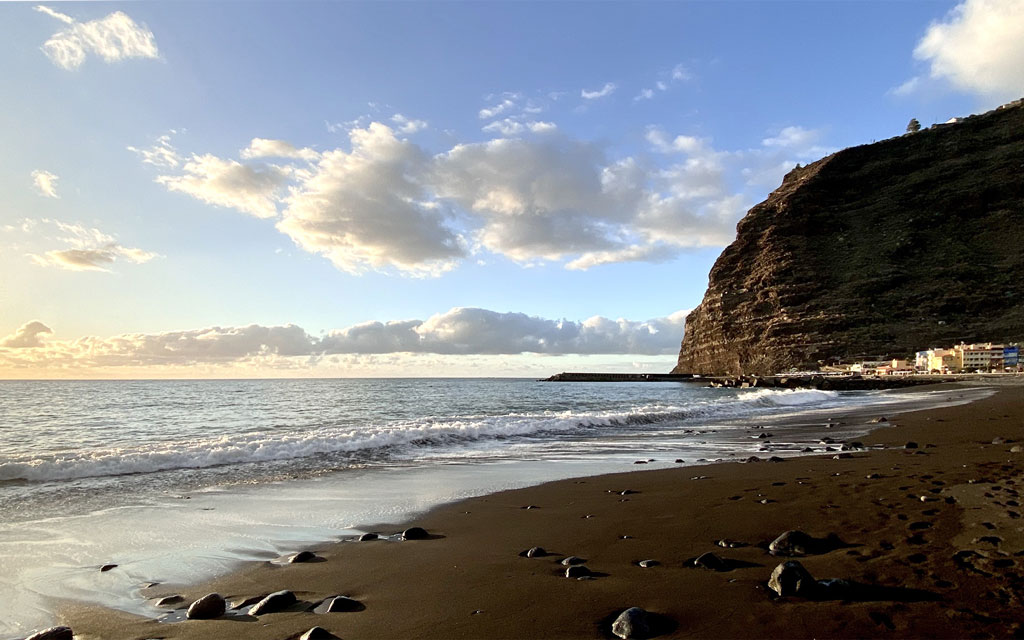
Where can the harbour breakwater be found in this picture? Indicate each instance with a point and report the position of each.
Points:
(825, 383)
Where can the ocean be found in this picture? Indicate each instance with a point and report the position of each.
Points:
(176, 481)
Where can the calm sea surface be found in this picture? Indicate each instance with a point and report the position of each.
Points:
(95, 472)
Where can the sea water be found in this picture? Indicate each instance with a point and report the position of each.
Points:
(175, 481)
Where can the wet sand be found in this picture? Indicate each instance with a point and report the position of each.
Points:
(934, 535)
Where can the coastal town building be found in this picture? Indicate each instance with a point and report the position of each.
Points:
(1011, 356)
(979, 357)
(941, 361)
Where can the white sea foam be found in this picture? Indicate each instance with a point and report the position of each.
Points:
(199, 453)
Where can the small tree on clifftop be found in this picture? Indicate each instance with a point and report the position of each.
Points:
(913, 126)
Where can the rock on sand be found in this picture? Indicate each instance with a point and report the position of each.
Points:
(415, 533)
(791, 579)
(53, 633)
(211, 605)
(274, 602)
(318, 633)
(634, 622)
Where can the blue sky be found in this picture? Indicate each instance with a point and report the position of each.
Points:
(504, 188)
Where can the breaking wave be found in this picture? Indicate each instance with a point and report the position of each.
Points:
(376, 440)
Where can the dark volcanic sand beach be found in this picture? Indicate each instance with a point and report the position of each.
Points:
(951, 565)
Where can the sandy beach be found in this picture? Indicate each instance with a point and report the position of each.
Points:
(931, 535)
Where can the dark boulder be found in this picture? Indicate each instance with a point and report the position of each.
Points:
(791, 579)
(415, 533)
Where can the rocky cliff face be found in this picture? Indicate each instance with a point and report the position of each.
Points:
(882, 249)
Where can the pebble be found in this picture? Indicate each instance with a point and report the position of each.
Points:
(535, 552)
(415, 533)
(169, 600)
(342, 603)
(108, 567)
(302, 556)
(632, 623)
(367, 537)
(791, 543)
(910, 445)
(318, 633)
(211, 605)
(710, 561)
(53, 633)
(577, 571)
(571, 560)
(647, 564)
(273, 603)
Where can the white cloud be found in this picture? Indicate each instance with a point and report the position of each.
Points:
(907, 88)
(367, 209)
(408, 125)
(387, 204)
(541, 127)
(509, 102)
(66, 19)
(607, 90)
(112, 38)
(978, 47)
(89, 249)
(252, 189)
(673, 76)
(46, 183)
(536, 198)
(506, 127)
(162, 154)
(266, 148)
(26, 337)
(680, 73)
(680, 144)
(513, 127)
(464, 332)
(634, 253)
(799, 141)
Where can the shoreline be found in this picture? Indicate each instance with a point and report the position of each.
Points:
(414, 577)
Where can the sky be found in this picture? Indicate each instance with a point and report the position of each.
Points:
(282, 189)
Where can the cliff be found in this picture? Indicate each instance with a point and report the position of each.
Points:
(882, 249)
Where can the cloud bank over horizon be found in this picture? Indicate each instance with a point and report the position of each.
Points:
(460, 331)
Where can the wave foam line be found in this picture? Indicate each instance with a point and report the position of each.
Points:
(270, 447)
